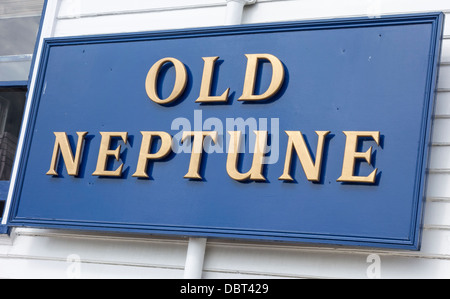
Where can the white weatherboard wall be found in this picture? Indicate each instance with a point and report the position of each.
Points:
(42, 253)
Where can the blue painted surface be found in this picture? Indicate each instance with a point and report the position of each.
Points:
(4, 187)
(341, 75)
(13, 83)
(4, 229)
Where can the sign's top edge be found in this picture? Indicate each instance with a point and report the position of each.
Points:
(310, 24)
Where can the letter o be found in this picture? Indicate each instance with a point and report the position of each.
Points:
(180, 80)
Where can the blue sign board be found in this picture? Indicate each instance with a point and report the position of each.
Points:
(311, 131)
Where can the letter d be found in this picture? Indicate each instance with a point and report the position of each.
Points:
(228, 288)
(250, 77)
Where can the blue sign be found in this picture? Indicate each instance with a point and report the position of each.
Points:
(311, 131)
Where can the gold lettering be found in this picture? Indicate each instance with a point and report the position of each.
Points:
(205, 88)
(350, 156)
(152, 79)
(144, 155)
(250, 77)
(312, 169)
(62, 144)
(197, 150)
(255, 172)
(105, 151)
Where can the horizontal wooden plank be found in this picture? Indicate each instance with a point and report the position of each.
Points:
(445, 50)
(36, 268)
(441, 130)
(435, 240)
(436, 214)
(237, 261)
(442, 105)
(149, 21)
(97, 249)
(337, 268)
(439, 158)
(438, 185)
(444, 77)
(276, 10)
(87, 8)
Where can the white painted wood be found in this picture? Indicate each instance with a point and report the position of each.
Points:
(79, 8)
(441, 133)
(435, 243)
(439, 158)
(318, 262)
(194, 258)
(33, 268)
(95, 17)
(438, 185)
(442, 104)
(272, 11)
(62, 248)
(444, 76)
(37, 253)
(436, 214)
(445, 51)
(149, 21)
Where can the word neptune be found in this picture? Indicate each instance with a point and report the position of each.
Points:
(295, 143)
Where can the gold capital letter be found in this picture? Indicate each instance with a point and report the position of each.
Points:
(250, 77)
(311, 169)
(104, 152)
(62, 144)
(152, 79)
(205, 88)
(144, 155)
(350, 155)
(255, 172)
(197, 150)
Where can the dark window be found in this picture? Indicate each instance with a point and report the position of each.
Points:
(2, 207)
(12, 102)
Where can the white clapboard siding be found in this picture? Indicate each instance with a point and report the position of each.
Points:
(38, 253)
(225, 260)
(445, 52)
(132, 256)
(444, 76)
(282, 10)
(442, 104)
(439, 158)
(441, 133)
(87, 17)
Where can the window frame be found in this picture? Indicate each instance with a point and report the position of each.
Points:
(5, 229)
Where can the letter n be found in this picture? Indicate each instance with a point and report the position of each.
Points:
(297, 143)
(62, 145)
